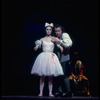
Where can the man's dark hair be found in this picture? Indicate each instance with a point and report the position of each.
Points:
(59, 25)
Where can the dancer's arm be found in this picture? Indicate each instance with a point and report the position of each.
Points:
(38, 44)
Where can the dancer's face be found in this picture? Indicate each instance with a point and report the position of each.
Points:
(48, 30)
(58, 31)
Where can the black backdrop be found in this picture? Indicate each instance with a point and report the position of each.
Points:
(23, 23)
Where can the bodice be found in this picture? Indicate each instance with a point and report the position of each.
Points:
(47, 46)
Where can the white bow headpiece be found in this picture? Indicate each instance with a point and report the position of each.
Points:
(47, 24)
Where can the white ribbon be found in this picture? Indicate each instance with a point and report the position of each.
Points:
(47, 24)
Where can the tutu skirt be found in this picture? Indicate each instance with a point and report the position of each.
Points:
(47, 64)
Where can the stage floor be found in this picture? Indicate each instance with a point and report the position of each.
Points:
(46, 98)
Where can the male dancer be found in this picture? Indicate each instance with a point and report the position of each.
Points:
(64, 43)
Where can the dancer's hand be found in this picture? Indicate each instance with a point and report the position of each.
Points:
(36, 47)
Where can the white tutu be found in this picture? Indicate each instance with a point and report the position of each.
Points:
(47, 63)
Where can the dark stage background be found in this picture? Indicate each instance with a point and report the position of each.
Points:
(23, 23)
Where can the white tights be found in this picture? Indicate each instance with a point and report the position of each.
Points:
(42, 79)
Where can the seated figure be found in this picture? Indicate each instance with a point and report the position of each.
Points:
(78, 81)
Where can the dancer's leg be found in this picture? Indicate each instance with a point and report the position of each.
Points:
(50, 83)
(42, 79)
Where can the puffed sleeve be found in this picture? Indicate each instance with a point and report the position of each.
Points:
(66, 40)
(38, 42)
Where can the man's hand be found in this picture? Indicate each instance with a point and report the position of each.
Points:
(55, 39)
(61, 49)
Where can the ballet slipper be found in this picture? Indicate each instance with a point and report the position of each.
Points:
(51, 95)
(40, 95)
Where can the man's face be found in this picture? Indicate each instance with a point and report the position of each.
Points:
(58, 31)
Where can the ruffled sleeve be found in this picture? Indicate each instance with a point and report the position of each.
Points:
(38, 42)
(66, 40)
